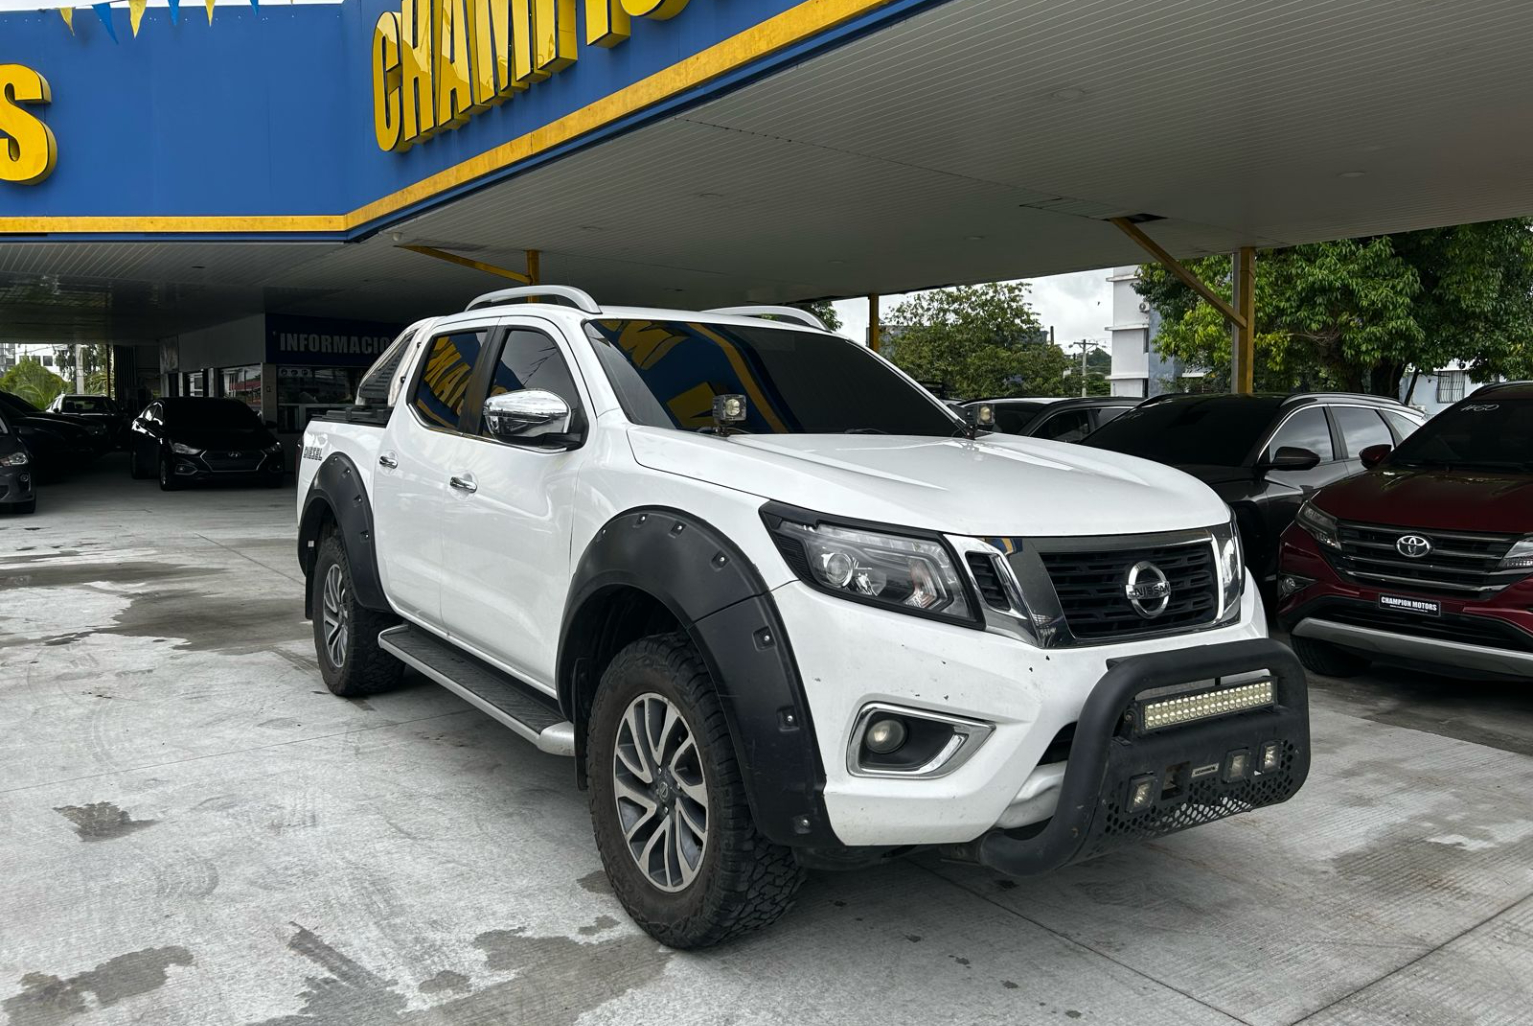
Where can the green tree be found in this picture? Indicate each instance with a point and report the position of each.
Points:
(978, 341)
(1357, 313)
(825, 310)
(33, 382)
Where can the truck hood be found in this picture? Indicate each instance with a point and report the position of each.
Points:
(1009, 486)
(1434, 498)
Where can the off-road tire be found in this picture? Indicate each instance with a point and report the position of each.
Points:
(1326, 659)
(167, 474)
(364, 669)
(745, 882)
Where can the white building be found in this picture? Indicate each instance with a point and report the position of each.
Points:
(1137, 370)
(1436, 390)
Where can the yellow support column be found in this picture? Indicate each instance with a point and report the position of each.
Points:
(1243, 331)
(874, 330)
(532, 268)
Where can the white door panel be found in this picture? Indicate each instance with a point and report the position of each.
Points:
(408, 516)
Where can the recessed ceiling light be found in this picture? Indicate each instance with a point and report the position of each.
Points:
(974, 238)
(198, 267)
(710, 195)
(1351, 174)
(1072, 93)
(837, 263)
(591, 228)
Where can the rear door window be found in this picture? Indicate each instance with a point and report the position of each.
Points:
(1107, 413)
(530, 359)
(1361, 428)
(444, 377)
(1306, 429)
(1403, 425)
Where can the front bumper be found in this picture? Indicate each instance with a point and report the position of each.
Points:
(202, 468)
(855, 656)
(1188, 767)
(16, 485)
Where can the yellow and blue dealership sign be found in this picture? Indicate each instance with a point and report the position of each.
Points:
(331, 121)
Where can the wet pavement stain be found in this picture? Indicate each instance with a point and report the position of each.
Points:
(596, 883)
(102, 821)
(602, 925)
(444, 982)
(557, 981)
(47, 1000)
(73, 575)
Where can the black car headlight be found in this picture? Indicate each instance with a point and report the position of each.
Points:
(1320, 524)
(13, 459)
(911, 573)
(1229, 560)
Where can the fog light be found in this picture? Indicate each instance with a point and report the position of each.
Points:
(1291, 584)
(1237, 764)
(884, 736)
(1272, 751)
(1141, 791)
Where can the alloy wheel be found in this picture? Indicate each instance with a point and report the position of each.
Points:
(661, 792)
(337, 616)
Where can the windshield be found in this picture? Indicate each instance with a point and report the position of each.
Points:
(86, 404)
(1214, 431)
(666, 374)
(1473, 434)
(210, 415)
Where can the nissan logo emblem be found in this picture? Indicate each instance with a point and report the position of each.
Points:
(1147, 589)
(1413, 546)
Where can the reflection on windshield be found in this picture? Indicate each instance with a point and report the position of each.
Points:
(667, 373)
(1214, 431)
(210, 415)
(1492, 435)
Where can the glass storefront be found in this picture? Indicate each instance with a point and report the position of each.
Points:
(242, 383)
(303, 393)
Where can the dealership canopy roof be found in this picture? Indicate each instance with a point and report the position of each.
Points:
(912, 145)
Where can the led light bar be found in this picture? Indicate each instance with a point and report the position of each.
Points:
(1171, 712)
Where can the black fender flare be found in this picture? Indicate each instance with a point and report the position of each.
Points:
(337, 488)
(719, 598)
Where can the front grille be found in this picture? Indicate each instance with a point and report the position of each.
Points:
(228, 462)
(1467, 630)
(1459, 564)
(988, 578)
(1091, 586)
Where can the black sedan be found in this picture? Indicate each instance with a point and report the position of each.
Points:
(18, 488)
(1063, 420)
(1263, 454)
(57, 443)
(186, 440)
(92, 410)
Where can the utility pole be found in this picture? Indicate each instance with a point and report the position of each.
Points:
(1085, 345)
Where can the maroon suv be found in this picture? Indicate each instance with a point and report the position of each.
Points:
(1425, 559)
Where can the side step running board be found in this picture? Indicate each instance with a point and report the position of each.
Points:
(529, 713)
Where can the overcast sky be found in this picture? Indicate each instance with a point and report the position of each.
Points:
(1077, 305)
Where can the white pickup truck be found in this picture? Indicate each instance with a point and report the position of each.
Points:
(783, 608)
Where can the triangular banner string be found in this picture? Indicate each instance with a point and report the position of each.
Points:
(104, 12)
(136, 14)
(175, 11)
(210, 11)
(68, 14)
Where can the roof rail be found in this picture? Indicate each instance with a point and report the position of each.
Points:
(1349, 395)
(577, 298)
(791, 313)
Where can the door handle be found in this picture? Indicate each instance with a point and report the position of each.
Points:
(387, 461)
(464, 483)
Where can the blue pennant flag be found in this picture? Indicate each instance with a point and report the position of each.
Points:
(175, 12)
(104, 12)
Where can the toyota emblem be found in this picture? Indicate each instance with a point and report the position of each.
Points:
(1147, 589)
(1413, 546)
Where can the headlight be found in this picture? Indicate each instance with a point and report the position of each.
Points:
(1520, 557)
(1230, 562)
(184, 450)
(15, 459)
(908, 573)
(1319, 524)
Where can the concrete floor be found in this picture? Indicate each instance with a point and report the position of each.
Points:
(193, 831)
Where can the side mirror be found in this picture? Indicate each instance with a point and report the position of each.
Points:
(530, 416)
(1373, 455)
(1291, 457)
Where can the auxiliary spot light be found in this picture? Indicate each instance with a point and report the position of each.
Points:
(1170, 712)
(885, 736)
